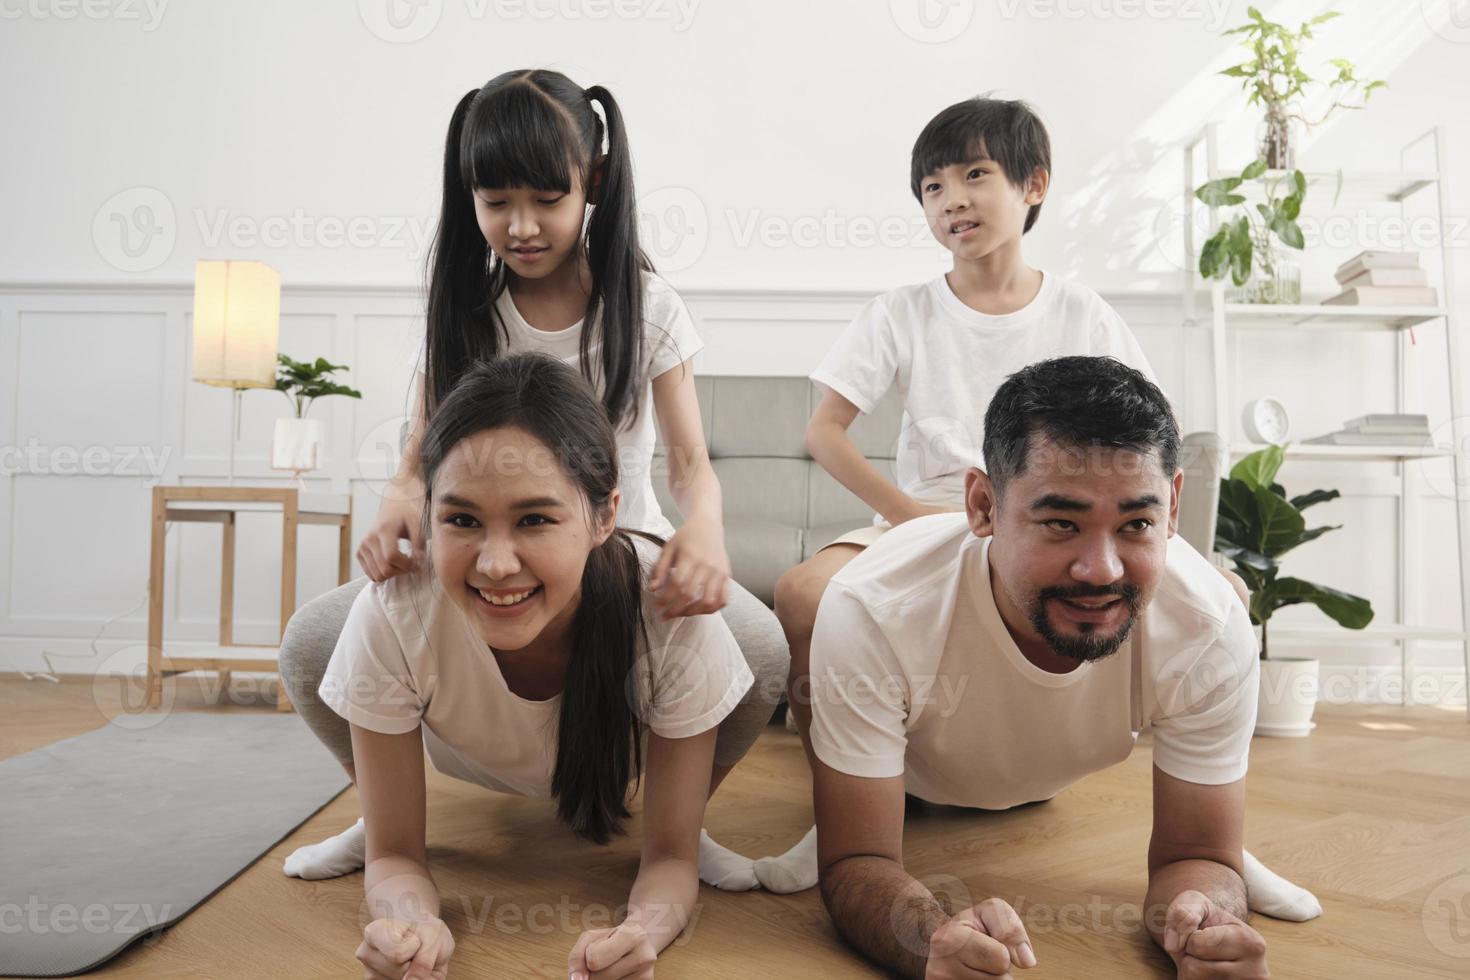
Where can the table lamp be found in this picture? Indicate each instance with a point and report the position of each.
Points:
(237, 320)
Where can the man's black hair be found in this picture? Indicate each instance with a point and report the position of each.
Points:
(1079, 402)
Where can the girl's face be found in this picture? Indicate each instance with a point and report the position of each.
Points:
(535, 232)
(510, 537)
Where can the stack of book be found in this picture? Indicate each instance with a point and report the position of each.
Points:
(1383, 279)
(1379, 430)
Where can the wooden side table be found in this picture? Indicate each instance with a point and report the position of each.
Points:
(221, 505)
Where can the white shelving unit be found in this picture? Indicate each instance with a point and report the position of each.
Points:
(1223, 318)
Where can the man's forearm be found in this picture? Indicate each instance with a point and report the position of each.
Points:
(883, 912)
(1217, 882)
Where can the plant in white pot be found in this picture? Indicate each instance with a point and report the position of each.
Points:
(296, 442)
(1258, 524)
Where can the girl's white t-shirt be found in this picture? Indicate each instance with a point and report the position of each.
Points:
(669, 339)
(949, 360)
(408, 657)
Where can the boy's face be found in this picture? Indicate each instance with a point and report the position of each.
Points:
(972, 208)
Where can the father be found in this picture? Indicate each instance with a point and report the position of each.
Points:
(969, 659)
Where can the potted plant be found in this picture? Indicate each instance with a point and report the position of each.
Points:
(1245, 244)
(1258, 524)
(1274, 80)
(296, 442)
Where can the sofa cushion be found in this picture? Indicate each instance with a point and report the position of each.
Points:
(760, 552)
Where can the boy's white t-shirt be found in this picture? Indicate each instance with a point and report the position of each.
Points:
(915, 674)
(669, 339)
(948, 360)
(408, 657)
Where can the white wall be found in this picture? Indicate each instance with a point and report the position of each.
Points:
(771, 144)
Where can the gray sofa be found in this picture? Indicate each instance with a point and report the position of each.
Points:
(781, 506)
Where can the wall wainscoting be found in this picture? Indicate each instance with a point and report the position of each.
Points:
(99, 408)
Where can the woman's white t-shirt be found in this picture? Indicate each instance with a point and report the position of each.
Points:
(408, 657)
(948, 361)
(669, 339)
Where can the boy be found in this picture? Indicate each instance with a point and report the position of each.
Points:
(980, 169)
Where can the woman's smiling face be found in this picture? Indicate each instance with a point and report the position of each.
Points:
(510, 536)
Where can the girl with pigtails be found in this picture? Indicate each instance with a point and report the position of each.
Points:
(537, 253)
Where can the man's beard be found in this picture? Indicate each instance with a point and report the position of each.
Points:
(1087, 644)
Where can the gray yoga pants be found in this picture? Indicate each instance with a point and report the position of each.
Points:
(312, 634)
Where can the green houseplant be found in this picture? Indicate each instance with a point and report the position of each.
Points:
(303, 382)
(296, 443)
(1257, 524)
(1274, 80)
(1245, 244)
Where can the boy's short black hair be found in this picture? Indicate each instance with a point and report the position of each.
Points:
(1077, 402)
(1008, 132)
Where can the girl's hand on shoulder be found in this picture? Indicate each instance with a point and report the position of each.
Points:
(623, 952)
(692, 572)
(405, 949)
(379, 553)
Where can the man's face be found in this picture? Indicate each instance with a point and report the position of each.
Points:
(1080, 541)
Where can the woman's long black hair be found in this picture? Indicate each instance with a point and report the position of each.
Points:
(536, 129)
(598, 745)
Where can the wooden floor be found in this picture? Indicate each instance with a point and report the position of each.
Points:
(1372, 812)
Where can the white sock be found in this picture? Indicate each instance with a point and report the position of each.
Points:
(333, 857)
(723, 868)
(1270, 894)
(794, 871)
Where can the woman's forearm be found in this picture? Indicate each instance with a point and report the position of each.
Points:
(400, 888)
(663, 898)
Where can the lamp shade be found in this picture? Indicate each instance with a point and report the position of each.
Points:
(237, 322)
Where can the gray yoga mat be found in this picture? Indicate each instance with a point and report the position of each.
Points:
(112, 835)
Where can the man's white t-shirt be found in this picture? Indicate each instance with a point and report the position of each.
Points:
(948, 360)
(407, 657)
(915, 674)
(669, 339)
